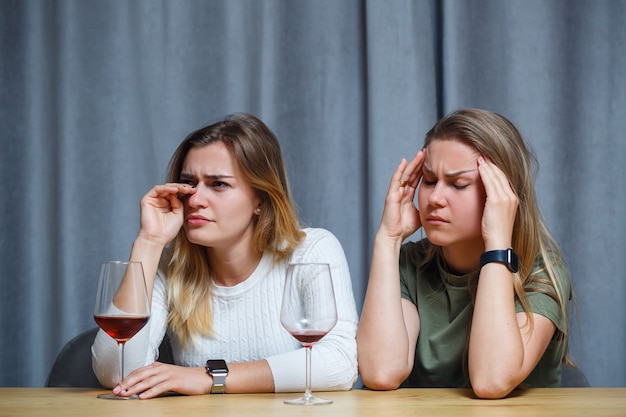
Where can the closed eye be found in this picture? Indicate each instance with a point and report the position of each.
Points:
(430, 182)
(451, 178)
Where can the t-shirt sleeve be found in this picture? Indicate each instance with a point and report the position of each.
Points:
(541, 293)
(408, 281)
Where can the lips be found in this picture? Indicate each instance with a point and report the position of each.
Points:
(436, 219)
(196, 219)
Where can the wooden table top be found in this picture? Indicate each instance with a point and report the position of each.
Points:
(423, 402)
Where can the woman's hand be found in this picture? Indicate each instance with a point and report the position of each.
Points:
(158, 378)
(500, 206)
(162, 212)
(389, 325)
(400, 216)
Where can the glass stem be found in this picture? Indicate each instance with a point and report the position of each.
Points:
(307, 391)
(121, 360)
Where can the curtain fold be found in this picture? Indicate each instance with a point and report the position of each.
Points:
(95, 96)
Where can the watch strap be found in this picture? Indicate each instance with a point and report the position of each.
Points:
(508, 257)
(218, 370)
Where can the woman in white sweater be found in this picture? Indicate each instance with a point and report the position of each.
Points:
(215, 242)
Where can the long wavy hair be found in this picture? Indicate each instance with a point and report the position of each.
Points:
(497, 138)
(187, 268)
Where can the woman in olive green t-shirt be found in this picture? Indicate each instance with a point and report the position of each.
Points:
(481, 301)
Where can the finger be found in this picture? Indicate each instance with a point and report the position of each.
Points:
(486, 175)
(494, 179)
(163, 190)
(184, 191)
(169, 194)
(186, 188)
(131, 380)
(396, 178)
(141, 380)
(413, 170)
(154, 387)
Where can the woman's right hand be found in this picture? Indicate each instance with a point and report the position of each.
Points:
(162, 212)
(400, 215)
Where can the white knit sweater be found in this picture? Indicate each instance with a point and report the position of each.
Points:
(247, 325)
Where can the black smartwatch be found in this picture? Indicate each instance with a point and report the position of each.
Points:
(507, 257)
(218, 370)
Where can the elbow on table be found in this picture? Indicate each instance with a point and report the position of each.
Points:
(107, 377)
(107, 380)
(343, 380)
(492, 389)
(381, 379)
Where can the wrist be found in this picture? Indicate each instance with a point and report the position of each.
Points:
(146, 242)
(507, 257)
(385, 239)
(497, 244)
(218, 371)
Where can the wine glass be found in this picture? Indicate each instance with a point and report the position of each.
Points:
(308, 312)
(122, 307)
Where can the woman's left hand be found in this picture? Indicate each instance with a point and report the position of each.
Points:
(158, 378)
(500, 206)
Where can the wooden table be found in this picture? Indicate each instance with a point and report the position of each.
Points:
(418, 402)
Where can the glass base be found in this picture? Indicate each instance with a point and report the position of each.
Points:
(308, 400)
(111, 396)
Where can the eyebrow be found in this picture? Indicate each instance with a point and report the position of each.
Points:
(452, 174)
(185, 176)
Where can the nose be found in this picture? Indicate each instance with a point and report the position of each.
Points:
(198, 199)
(437, 197)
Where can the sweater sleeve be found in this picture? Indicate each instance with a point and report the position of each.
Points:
(333, 360)
(142, 349)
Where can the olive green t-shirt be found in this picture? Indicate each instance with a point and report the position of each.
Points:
(445, 308)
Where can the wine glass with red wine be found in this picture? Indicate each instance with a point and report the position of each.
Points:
(308, 313)
(122, 307)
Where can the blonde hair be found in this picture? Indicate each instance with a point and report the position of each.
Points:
(187, 268)
(497, 138)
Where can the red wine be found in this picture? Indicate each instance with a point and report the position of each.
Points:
(308, 337)
(121, 328)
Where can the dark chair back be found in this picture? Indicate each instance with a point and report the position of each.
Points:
(72, 367)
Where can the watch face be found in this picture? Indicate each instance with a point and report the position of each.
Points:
(217, 365)
(513, 263)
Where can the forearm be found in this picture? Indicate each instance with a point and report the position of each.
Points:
(148, 252)
(334, 357)
(157, 378)
(140, 350)
(496, 348)
(105, 356)
(333, 364)
(249, 377)
(382, 331)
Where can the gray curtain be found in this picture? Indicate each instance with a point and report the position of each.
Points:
(96, 95)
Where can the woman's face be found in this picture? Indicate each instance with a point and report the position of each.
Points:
(451, 196)
(220, 213)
